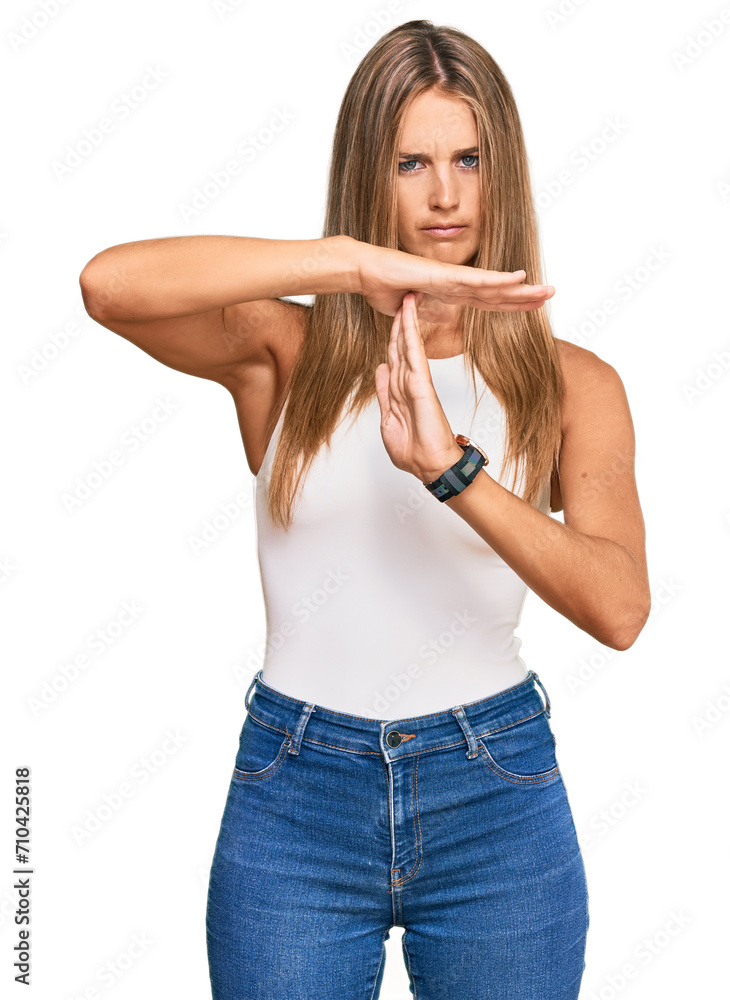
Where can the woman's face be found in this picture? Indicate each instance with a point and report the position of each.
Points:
(438, 179)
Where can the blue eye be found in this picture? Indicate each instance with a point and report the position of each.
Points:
(410, 170)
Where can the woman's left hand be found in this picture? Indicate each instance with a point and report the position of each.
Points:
(415, 431)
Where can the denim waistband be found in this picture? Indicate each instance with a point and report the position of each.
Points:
(397, 738)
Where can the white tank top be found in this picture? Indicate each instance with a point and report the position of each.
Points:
(380, 600)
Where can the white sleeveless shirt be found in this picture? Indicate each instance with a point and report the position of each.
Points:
(380, 600)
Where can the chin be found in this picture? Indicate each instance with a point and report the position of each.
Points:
(446, 254)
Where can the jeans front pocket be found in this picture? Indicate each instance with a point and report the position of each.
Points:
(261, 751)
(522, 752)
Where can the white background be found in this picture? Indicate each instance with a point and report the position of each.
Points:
(643, 734)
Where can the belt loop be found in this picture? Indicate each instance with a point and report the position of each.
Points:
(547, 698)
(301, 726)
(248, 693)
(467, 730)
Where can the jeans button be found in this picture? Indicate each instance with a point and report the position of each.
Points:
(393, 739)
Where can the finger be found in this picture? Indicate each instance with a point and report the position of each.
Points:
(399, 341)
(382, 375)
(403, 337)
(494, 296)
(483, 277)
(505, 277)
(413, 342)
(396, 363)
(522, 292)
(478, 274)
(530, 297)
(393, 342)
(399, 378)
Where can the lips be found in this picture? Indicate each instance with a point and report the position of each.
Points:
(445, 230)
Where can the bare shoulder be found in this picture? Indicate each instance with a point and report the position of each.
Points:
(598, 449)
(589, 380)
(593, 403)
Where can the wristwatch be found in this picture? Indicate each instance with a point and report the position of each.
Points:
(463, 472)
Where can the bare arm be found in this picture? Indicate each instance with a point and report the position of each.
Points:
(592, 569)
(184, 275)
(207, 305)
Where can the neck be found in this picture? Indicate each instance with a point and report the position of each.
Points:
(440, 340)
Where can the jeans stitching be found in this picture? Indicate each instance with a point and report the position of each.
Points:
(410, 967)
(518, 779)
(416, 827)
(377, 971)
(265, 771)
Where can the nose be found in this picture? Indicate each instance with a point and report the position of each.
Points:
(444, 192)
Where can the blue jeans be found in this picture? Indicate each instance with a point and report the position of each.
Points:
(455, 826)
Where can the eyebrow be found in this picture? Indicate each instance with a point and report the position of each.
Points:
(423, 156)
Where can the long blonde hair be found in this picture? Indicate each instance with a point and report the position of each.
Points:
(345, 338)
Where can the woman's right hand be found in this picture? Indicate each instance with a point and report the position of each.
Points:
(385, 276)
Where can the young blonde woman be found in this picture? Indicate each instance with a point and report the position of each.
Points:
(409, 434)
